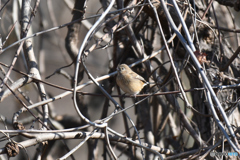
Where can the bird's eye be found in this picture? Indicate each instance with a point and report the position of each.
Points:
(122, 68)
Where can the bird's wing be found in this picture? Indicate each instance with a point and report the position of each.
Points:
(136, 76)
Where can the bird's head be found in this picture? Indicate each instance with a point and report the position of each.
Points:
(123, 68)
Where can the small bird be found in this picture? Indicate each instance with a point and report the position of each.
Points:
(129, 81)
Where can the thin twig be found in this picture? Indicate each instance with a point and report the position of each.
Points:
(200, 69)
(235, 55)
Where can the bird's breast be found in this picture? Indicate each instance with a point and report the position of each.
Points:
(129, 85)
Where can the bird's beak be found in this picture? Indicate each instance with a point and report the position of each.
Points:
(118, 69)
